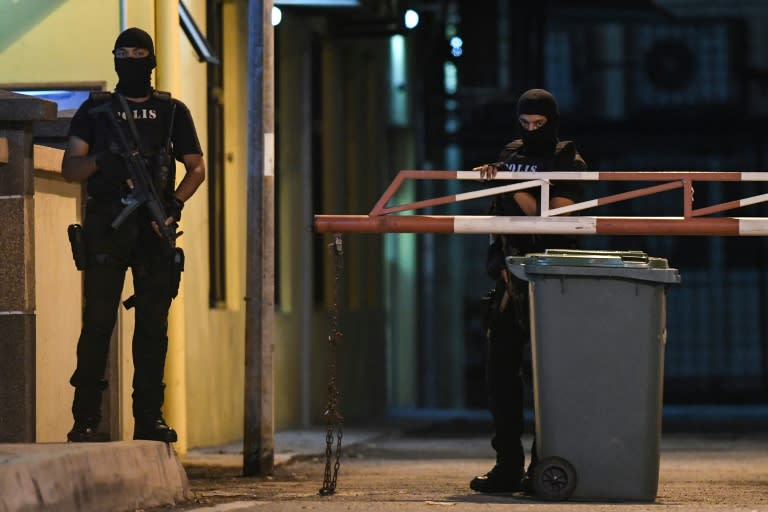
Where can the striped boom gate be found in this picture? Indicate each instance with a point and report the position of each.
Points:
(692, 221)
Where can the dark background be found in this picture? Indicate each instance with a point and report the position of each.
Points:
(644, 86)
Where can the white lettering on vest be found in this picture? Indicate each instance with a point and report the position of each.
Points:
(521, 167)
(140, 114)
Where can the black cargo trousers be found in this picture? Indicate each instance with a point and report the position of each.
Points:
(109, 254)
(508, 370)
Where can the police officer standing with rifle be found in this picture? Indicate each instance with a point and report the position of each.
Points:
(123, 145)
(507, 320)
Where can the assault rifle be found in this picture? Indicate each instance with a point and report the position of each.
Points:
(143, 191)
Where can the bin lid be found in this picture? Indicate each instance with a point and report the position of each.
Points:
(620, 264)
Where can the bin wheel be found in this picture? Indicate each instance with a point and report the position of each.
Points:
(554, 479)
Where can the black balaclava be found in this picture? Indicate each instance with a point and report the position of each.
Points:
(135, 74)
(541, 141)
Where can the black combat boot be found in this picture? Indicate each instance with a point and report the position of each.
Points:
(84, 431)
(154, 430)
(86, 409)
(500, 479)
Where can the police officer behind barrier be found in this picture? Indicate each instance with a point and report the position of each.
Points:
(507, 320)
(166, 132)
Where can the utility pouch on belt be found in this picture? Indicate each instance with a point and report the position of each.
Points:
(177, 267)
(174, 277)
(75, 232)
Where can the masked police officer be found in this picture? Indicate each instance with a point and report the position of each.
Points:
(507, 321)
(166, 132)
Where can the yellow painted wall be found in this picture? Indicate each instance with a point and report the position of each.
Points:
(216, 402)
(58, 304)
(53, 41)
(215, 337)
(236, 145)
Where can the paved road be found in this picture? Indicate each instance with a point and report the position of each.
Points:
(430, 470)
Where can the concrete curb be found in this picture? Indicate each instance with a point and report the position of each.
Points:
(84, 477)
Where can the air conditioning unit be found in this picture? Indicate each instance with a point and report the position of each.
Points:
(683, 65)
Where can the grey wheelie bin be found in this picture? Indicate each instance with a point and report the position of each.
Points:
(598, 331)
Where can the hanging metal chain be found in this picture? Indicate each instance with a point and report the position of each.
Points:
(333, 419)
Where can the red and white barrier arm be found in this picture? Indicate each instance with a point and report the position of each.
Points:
(692, 221)
(472, 224)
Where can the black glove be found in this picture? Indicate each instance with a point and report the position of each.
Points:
(174, 209)
(113, 165)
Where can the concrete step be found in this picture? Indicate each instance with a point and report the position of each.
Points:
(84, 477)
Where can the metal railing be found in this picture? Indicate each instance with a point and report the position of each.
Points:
(691, 221)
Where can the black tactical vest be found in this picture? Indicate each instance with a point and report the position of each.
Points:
(154, 120)
(514, 159)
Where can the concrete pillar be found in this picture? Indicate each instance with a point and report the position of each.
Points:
(17, 265)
